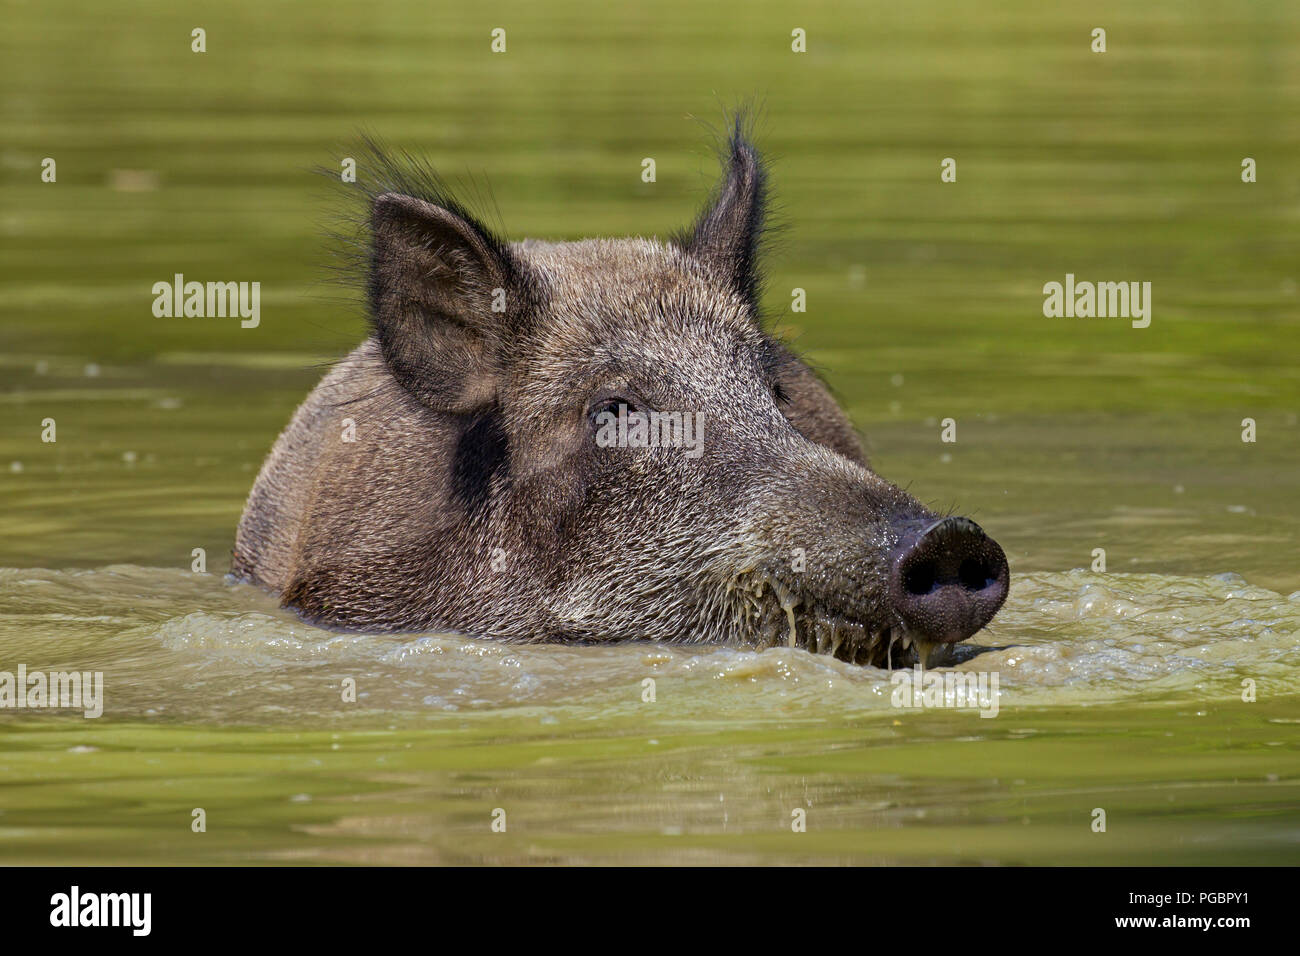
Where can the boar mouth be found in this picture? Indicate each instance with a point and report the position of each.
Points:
(767, 612)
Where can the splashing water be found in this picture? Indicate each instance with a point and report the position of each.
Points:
(191, 647)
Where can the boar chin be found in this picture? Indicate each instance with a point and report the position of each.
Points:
(767, 611)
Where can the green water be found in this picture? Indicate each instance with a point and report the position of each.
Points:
(1119, 690)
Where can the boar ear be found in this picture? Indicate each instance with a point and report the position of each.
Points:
(434, 276)
(726, 237)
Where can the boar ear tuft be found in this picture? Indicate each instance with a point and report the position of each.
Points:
(727, 236)
(434, 276)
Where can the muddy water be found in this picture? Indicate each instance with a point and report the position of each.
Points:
(1161, 690)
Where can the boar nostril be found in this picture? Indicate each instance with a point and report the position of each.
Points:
(919, 579)
(949, 579)
(975, 575)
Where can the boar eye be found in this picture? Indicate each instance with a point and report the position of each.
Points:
(780, 394)
(610, 405)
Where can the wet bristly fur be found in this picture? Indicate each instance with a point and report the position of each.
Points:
(474, 497)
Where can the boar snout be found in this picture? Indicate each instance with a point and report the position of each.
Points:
(948, 579)
(854, 567)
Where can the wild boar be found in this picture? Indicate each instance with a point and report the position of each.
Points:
(471, 465)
